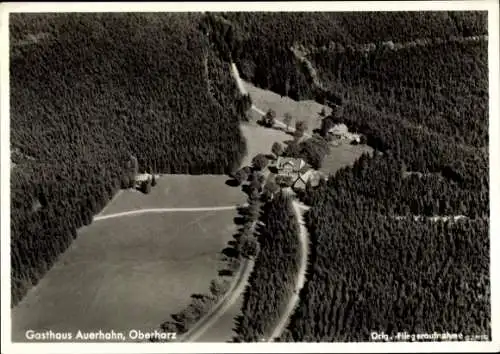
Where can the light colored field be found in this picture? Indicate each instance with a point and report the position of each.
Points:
(260, 140)
(128, 273)
(300, 110)
(183, 191)
(343, 155)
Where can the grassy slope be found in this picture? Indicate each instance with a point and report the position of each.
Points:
(306, 110)
(179, 191)
(128, 273)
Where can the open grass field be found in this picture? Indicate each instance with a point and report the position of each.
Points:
(307, 110)
(343, 155)
(260, 140)
(179, 191)
(129, 273)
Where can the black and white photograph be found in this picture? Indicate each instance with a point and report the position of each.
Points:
(186, 177)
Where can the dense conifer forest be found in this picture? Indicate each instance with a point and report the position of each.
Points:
(374, 272)
(272, 280)
(82, 118)
(97, 92)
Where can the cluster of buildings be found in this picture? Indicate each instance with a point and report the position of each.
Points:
(296, 171)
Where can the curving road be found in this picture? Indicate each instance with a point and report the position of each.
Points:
(229, 298)
(303, 234)
(301, 275)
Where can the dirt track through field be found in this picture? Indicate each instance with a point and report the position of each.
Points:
(162, 210)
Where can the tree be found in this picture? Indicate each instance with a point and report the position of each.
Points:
(153, 181)
(269, 118)
(256, 182)
(146, 186)
(301, 126)
(248, 170)
(250, 247)
(337, 111)
(253, 206)
(327, 123)
(218, 288)
(277, 149)
(133, 167)
(241, 176)
(260, 162)
(284, 181)
(261, 178)
(125, 182)
(243, 104)
(287, 120)
(297, 134)
(131, 183)
(170, 326)
(271, 188)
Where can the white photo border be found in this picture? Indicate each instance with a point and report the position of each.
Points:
(492, 6)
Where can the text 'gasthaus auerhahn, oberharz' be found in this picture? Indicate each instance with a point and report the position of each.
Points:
(111, 335)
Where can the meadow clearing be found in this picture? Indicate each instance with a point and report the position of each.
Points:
(128, 273)
(135, 271)
(179, 191)
(343, 155)
(306, 110)
(260, 139)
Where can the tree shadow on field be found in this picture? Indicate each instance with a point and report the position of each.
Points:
(230, 252)
(181, 322)
(231, 255)
(239, 220)
(246, 189)
(200, 296)
(232, 182)
(226, 273)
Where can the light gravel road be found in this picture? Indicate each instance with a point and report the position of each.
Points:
(232, 295)
(298, 208)
(303, 234)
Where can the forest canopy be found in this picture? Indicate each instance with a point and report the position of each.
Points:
(97, 90)
(416, 85)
